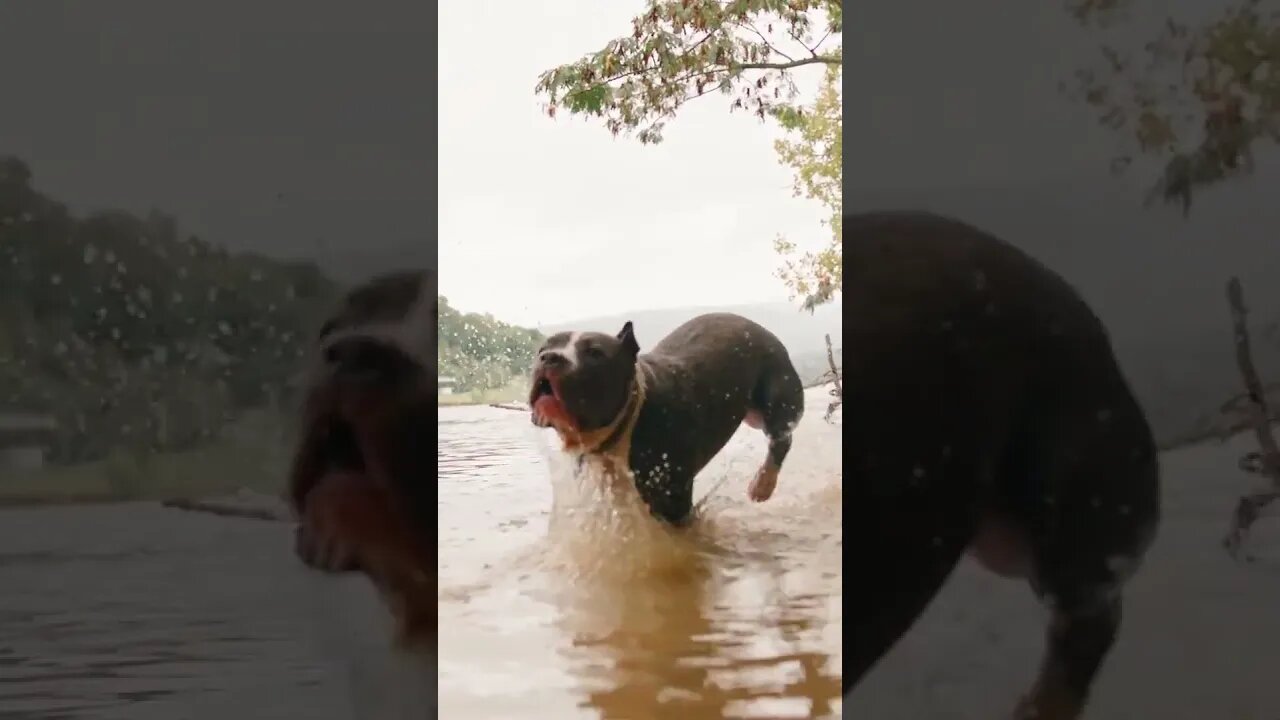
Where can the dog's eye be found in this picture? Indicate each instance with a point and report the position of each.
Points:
(593, 352)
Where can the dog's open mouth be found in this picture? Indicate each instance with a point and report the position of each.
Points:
(547, 408)
(343, 449)
(333, 447)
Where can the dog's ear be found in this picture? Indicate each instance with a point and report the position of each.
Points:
(628, 339)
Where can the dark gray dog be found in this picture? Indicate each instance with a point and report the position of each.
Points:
(985, 412)
(665, 414)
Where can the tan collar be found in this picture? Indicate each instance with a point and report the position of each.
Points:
(613, 439)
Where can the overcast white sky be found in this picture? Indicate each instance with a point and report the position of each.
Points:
(551, 220)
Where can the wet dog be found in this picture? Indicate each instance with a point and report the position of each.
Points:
(361, 483)
(985, 412)
(665, 414)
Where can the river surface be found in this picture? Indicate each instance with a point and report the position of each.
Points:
(562, 599)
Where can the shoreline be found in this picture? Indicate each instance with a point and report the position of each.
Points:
(500, 400)
(171, 495)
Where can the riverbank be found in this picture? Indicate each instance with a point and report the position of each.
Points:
(515, 391)
(218, 468)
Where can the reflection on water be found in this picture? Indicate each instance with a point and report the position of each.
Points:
(562, 599)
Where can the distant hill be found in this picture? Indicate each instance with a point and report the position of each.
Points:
(800, 331)
(1182, 377)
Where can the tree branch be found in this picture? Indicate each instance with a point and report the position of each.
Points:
(765, 40)
(815, 60)
(1250, 506)
(838, 391)
(814, 50)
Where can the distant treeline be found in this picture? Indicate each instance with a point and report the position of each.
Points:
(481, 353)
(134, 335)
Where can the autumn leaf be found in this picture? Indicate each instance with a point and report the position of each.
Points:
(1200, 97)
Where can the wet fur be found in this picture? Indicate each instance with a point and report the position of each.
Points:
(985, 413)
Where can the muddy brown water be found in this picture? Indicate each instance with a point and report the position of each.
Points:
(561, 599)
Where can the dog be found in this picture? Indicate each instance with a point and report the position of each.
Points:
(662, 416)
(986, 413)
(361, 484)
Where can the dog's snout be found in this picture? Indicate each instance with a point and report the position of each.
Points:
(552, 359)
(364, 358)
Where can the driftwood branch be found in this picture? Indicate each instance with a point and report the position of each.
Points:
(1267, 461)
(227, 509)
(520, 407)
(833, 376)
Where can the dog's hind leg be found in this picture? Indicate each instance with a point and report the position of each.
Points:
(779, 402)
(1079, 638)
(1081, 586)
(1093, 510)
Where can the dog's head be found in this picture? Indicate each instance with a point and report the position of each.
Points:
(582, 380)
(369, 400)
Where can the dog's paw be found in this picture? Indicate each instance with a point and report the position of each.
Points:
(763, 484)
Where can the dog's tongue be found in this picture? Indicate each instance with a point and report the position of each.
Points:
(549, 409)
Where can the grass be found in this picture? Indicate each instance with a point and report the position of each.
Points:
(515, 391)
(219, 467)
(247, 459)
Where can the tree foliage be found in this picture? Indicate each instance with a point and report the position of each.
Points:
(1198, 97)
(480, 352)
(745, 50)
(680, 50)
(814, 150)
